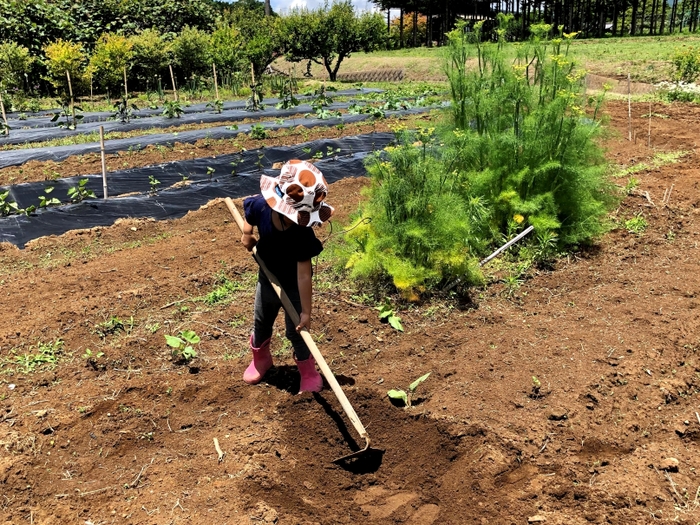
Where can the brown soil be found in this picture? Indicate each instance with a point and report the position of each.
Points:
(612, 335)
(91, 163)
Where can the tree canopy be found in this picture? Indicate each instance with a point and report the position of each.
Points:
(328, 35)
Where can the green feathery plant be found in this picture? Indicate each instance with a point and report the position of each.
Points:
(520, 149)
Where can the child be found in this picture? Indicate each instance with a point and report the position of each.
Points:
(284, 214)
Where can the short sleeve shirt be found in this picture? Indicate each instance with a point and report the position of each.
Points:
(280, 250)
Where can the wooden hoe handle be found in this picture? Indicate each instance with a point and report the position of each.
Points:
(289, 308)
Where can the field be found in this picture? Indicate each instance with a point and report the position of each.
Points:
(646, 59)
(566, 398)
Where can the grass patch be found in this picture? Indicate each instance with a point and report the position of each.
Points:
(657, 161)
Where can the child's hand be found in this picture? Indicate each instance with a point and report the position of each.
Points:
(304, 322)
(248, 241)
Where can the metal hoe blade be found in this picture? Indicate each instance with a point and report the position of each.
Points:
(354, 454)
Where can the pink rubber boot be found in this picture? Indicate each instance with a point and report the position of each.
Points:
(261, 363)
(310, 378)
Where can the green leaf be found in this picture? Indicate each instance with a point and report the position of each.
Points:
(398, 394)
(395, 323)
(190, 336)
(173, 341)
(412, 387)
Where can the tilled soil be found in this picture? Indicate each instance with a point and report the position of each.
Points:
(611, 334)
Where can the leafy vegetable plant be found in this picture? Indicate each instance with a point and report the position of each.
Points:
(172, 109)
(401, 395)
(217, 105)
(182, 345)
(153, 183)
(124, 110)
(258, 131)
(80, 192)
(45, 200)
(387, 315)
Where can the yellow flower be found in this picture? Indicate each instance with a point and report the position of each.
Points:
(518, 218)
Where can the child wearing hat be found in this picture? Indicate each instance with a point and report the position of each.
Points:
(284, 213)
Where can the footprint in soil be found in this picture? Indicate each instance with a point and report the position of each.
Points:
(380, 503)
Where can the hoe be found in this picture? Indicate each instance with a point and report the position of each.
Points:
(330, 378)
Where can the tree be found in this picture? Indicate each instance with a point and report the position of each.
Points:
(260, 34)
(329, 35)
(112, 55)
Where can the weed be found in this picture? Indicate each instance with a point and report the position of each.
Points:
(47, 354)
(153, 328)
(401, 395)
(222, 292)
(632, 184)
(109, 327)
(636, 224)
(183, 345)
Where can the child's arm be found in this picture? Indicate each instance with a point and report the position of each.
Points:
(305, 291)
(247, 238)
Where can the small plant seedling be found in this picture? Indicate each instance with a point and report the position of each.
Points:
(217, 105)
(109, 327)
(636, 224)
(258, 131)
(45, 201)
(210, 172)
(172, 109)
(92, 358)
(405, 397)
(124, 110)
(387, 315)
(153, 183)
(183, 345)
(536, 386)
(80, 192)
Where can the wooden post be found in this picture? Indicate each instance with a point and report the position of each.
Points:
(4, 116)
(126, 91)
(91, 100)
(172, 77)
(629, 109)
(649, 130)
(216, 82)
(104, 166)
(72, 103)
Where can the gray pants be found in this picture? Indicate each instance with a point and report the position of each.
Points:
(267, 306)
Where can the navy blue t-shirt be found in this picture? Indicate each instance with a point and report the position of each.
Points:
(280, 250)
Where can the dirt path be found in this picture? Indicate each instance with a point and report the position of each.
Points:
(611, 333)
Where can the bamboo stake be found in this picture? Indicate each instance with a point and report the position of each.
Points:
(72, 103)
(649, 130)
(629, 109)
(4, 116)
(294, 315)
(91, 100)
(172, 78)
(104, 166)
(126, 91)
(216, 82)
